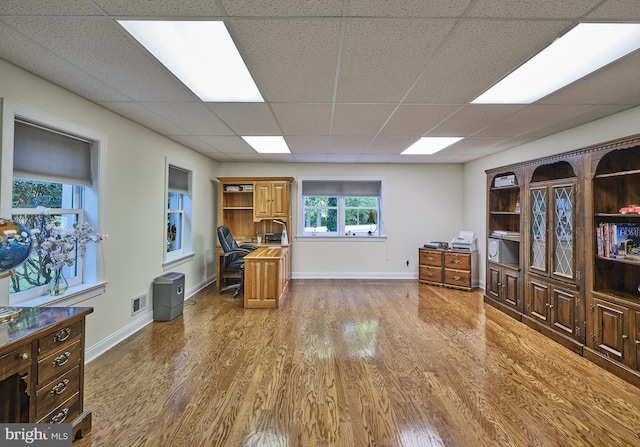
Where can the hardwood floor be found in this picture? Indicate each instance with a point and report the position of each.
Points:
(353, 363)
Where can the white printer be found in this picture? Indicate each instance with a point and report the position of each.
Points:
(466, 241)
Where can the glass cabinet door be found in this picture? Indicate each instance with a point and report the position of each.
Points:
(563, 237)
(539, 229)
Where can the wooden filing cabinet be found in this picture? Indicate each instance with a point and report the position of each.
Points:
(448, 268)
(42, 368)
(430, 266)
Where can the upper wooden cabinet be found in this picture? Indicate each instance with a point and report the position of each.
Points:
(248, 205)
(271, 200)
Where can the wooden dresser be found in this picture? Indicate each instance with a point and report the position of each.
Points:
(449, 268)
(42, 367)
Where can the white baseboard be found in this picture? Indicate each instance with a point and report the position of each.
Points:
(354, 275)
(93, 352)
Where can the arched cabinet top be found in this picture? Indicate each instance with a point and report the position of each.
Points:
(553, 171)
(619, 161)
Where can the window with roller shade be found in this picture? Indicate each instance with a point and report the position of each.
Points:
(178, 213)
(341, 207)
(54, 177)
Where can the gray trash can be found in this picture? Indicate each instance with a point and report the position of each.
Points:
(168, 296)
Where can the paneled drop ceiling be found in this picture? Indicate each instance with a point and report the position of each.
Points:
(343, 80)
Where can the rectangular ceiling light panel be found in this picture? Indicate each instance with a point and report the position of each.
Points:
(584, 49)
(268, 145)
(430, 145)
(201, 54)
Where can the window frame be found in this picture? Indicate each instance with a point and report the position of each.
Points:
(341, 208)
(185, 252)
(93, 269)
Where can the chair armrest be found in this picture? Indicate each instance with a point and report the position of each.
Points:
(237, 251)
(249, 247)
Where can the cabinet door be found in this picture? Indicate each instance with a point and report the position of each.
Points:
(562, 255)
(510, 289)
(538, 230)
(538, 301)
(562, 307)
(262, 200)
(610, 328)
(493, 281)
(636, 341)
(279, 199)
(271, 200)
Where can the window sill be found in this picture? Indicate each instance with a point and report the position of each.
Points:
(174, 262)
(73, 296)
(357, 238)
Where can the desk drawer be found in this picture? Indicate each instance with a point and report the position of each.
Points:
(15, 361)
(59, 362)
(457, 261)
(66, 412)
(59, 338)
(459, 278)
(56, 392)
(431, 258)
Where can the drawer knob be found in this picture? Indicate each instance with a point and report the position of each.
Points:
(456, 261)
(430, 258)
(62, 335)
(60, 388)
(60, 417)
(457, 278)
(62, 359)
(23, 356)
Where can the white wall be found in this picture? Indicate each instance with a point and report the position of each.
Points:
(620, 125)
(133, 213)
(421, 203)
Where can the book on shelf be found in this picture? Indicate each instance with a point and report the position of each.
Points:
(504, 233)
(620, 241)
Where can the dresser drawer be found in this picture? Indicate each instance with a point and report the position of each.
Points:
(66, 412)
(431, 258)
(59, 338)
(458, 261)
(56, 392)
(15, 361)
(460, 278)
(59, 362)
(433, 274)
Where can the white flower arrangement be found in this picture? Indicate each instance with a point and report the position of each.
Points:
(60, 246)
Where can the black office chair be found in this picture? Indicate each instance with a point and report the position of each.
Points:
(233, 258)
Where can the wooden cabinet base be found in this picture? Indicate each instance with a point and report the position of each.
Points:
(624, 372)
(81, 426)
(266, 275)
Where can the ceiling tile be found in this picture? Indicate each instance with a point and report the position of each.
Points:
(613, 10)
(49, 7)
(417, 120)
(360, 119)
(406, 8)
(382, 59)
(530, 9)
(303, 119)
(290, 60)
(246, 118)
(283, 8)
(193, 118)
(472, 118)
(160, 8)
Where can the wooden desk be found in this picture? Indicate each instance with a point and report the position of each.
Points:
(42, 368)
(267, 271)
